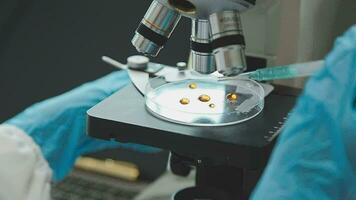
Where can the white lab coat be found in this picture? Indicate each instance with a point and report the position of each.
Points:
(24, 173)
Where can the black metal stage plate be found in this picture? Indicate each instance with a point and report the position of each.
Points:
(123, 117)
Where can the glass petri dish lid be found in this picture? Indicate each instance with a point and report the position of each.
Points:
(204, 102)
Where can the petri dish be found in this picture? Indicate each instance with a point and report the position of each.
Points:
(204, 102)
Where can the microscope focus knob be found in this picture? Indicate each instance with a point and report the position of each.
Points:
(181, 66)
(179, 165)
(138, 62)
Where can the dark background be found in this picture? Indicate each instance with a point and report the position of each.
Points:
(48, 47)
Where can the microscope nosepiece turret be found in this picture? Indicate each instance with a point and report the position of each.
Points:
(217, 40)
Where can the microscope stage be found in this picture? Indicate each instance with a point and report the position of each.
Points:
(123, 116)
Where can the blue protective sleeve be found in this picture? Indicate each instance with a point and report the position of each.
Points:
(315, 157)
(58, 125)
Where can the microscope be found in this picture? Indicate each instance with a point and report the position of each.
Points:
(217, 40)
(228, 160)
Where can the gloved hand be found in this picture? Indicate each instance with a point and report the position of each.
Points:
(315, 157)
(58, 125)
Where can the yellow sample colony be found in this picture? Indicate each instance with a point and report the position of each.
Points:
(212, 105)
(184, 101)
(232, 97)
(193, 86)
(204, 98)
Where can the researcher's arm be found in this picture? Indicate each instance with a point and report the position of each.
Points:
(315, 156)
(58, 125)
(47, 137)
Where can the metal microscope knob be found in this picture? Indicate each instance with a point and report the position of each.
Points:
(180, 165)
(181, 66)
(138, 62)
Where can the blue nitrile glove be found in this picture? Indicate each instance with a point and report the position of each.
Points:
(315, 157)
(58, 125)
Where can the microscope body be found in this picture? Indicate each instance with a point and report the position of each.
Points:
(217, 40)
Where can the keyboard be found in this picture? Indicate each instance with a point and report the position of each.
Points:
(80, 185)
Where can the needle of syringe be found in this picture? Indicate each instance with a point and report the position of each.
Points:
(285, 72)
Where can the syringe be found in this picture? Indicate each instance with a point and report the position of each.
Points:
(285, 72)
